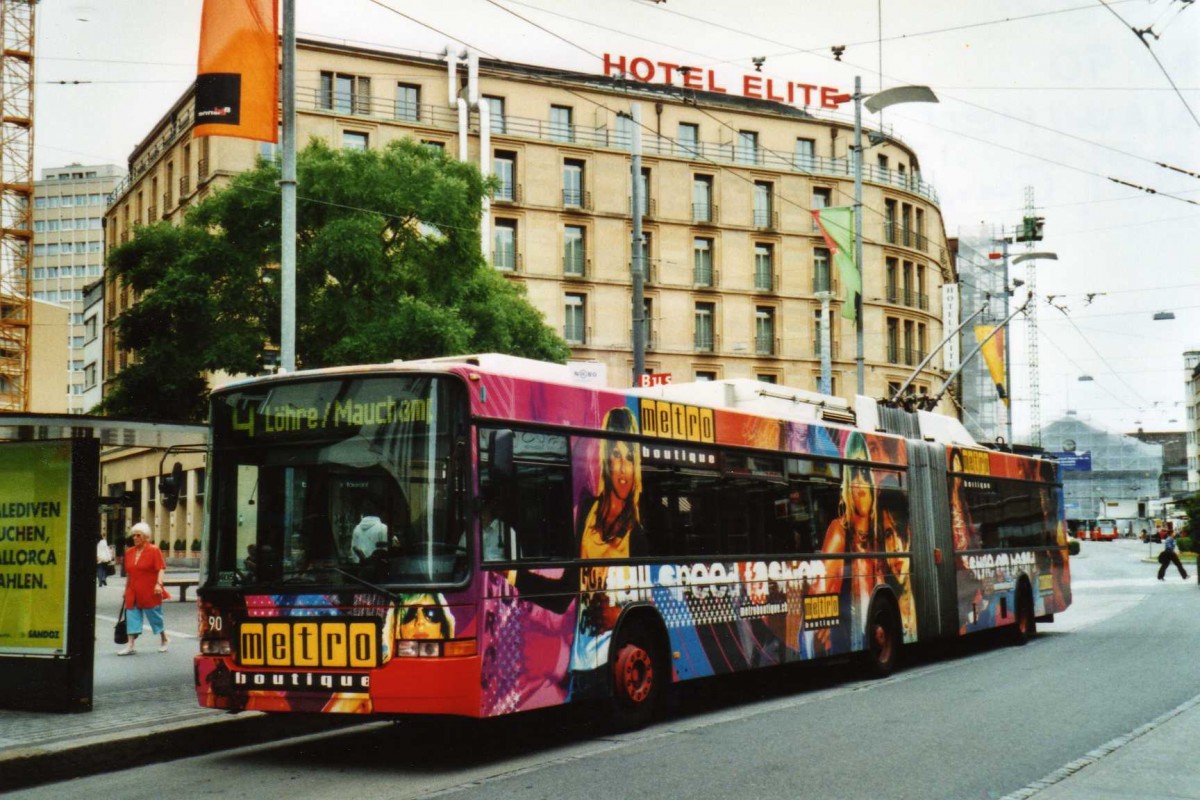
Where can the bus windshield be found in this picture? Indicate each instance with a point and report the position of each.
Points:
(337, 482)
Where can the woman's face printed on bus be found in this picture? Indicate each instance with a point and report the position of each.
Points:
(620, 467)
(861, 490)
(422, 620)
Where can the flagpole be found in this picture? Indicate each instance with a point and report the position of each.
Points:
(287, 186)
(858, 236)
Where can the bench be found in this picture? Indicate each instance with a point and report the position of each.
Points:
(182, 584)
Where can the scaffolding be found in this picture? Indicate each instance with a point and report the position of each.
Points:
(16, 201)
(1124, 473)
(981, 279)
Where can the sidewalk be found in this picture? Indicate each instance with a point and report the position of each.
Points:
(160, 719)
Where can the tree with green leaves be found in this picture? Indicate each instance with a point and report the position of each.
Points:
(388, 266)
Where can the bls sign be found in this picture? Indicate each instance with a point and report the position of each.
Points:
(329, 643)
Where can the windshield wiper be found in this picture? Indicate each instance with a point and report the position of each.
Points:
(364, 582)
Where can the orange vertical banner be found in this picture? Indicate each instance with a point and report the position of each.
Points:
(237, 74)
(993, 356)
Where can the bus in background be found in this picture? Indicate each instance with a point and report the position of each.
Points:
(1106, 530)
(478, 536)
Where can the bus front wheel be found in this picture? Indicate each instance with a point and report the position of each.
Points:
(883, 640)
(638, 677)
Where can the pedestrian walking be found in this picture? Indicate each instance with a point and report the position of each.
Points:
(145, 570)
(104, 561)
(1170, 555)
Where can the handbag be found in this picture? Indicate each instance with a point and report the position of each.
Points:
(120, 634)
(110, 568)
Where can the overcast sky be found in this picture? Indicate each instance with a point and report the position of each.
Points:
(1057, 95)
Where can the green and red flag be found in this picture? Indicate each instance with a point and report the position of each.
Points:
(837, 226)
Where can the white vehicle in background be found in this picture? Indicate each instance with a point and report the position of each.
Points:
(1105, 530)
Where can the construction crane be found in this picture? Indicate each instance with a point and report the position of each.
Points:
(16, 202)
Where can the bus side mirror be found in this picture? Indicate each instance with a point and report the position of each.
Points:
(169, 487)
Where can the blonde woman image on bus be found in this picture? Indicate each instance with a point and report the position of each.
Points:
(611, 529)
(855, 529)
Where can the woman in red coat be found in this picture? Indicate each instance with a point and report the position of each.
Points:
(144, 571)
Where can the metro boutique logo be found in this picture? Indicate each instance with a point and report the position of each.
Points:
(219, 98)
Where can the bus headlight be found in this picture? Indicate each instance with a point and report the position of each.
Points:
(215, 647)
(424, 648)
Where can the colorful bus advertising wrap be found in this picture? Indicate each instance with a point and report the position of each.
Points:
(1007, 525)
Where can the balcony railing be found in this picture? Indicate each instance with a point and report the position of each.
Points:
(704, 341)
(765, 281)
(705, 277)
(575, 198)
(833, 349)
(576, 266)
(649, 207)
(509, 193)
(309, 99)
(185, 185)
(766, 345)
(705, 213)
(766, 220)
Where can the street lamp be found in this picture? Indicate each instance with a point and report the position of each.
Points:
(875, 103)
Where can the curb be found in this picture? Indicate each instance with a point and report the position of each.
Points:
(23, 767)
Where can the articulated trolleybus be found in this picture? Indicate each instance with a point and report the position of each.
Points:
(480, 535)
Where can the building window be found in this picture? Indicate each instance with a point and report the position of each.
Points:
(764, 331)
(805, 151)
(922, 342)
(764, 267)
(346, 94)
(704, 327)
(408, 102)
(573, 183)
(906, 273)
(574, 318)
(764, 377)
(504, 245)
(891, 269)
(703, 209)
(562, 128)
(574, 258)
(822, 278)
(922, 294)
(89, 376)
(647, 327)
(91, 328)
(889, 221)
(702, 258)
(355, 140)
(821, 198)
(496, 120)
(893, 340)
(910, 349)
(643, 193)
(689, 139)
(704, 375)
(763, 205)
(504, 167)
(747, 147)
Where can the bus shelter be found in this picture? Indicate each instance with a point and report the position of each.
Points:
(50, 507)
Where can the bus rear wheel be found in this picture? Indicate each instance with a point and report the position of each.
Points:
(883, 640)
(638, 677)
(1024, 627)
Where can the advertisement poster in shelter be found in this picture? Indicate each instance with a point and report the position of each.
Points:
(35, 481)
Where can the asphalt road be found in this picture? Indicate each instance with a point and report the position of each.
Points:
(972, 720)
